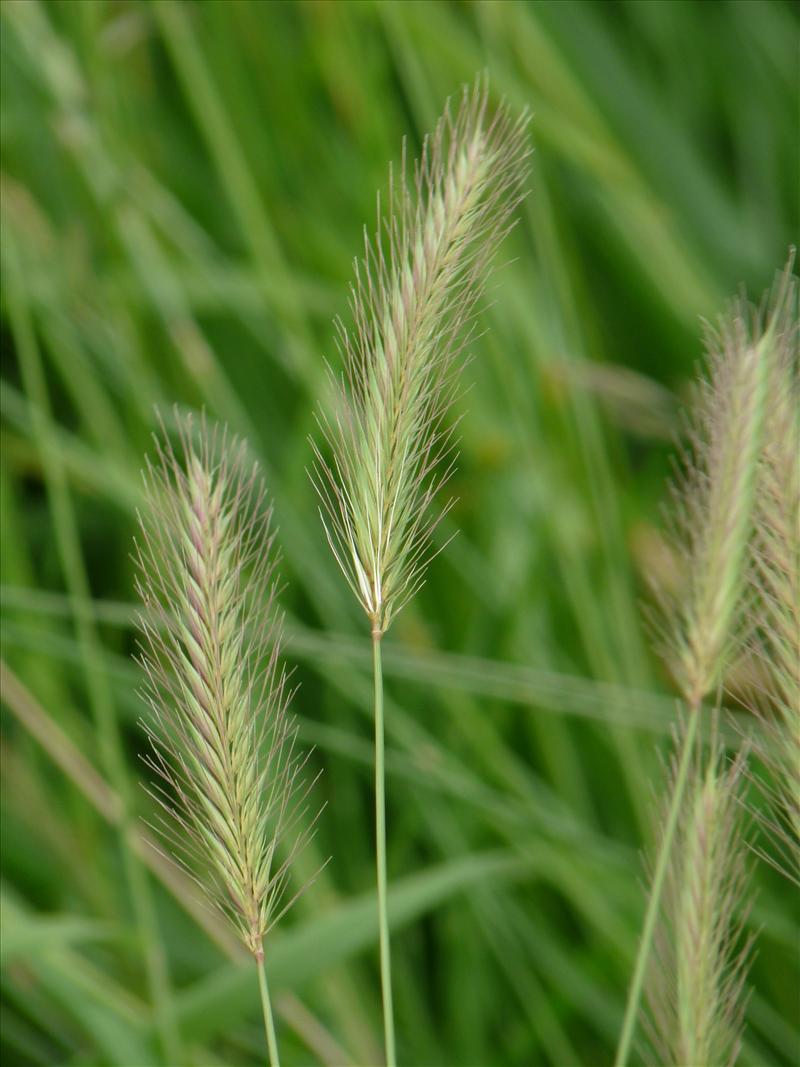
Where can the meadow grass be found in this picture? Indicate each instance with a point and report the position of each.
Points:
(183, 183)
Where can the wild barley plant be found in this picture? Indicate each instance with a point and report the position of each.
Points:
(712, 505)
(775, 573)
(696, 975)
(228, 780)
(390, 449)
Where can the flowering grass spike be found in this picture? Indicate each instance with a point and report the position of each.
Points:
(228, 779)
(776, 582)
(413, 303)
(713, 510)
(696, 978)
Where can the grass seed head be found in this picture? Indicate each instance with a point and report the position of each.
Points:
(713, 501)
(775, 576)
(227, 777)
(695, 981)
(413, 305)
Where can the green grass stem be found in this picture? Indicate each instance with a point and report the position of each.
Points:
(266, 1007)
(380, 856)
(656, 890)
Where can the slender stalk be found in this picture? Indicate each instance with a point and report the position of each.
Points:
(380, 856)
(654, 900)
(266, 1007)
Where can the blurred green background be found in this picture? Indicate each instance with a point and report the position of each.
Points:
(184, 187)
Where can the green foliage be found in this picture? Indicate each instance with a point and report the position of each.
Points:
(184, 187)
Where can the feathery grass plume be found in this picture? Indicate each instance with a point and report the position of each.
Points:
(712, 502)
(696, 976)
(413, 305)
(712, 512)
(229, 781)
(775, 575)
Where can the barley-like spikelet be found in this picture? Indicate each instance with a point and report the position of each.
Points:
(222, 742)
(413, 301)
(776, 575)
(695, 983)
(713, 501)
